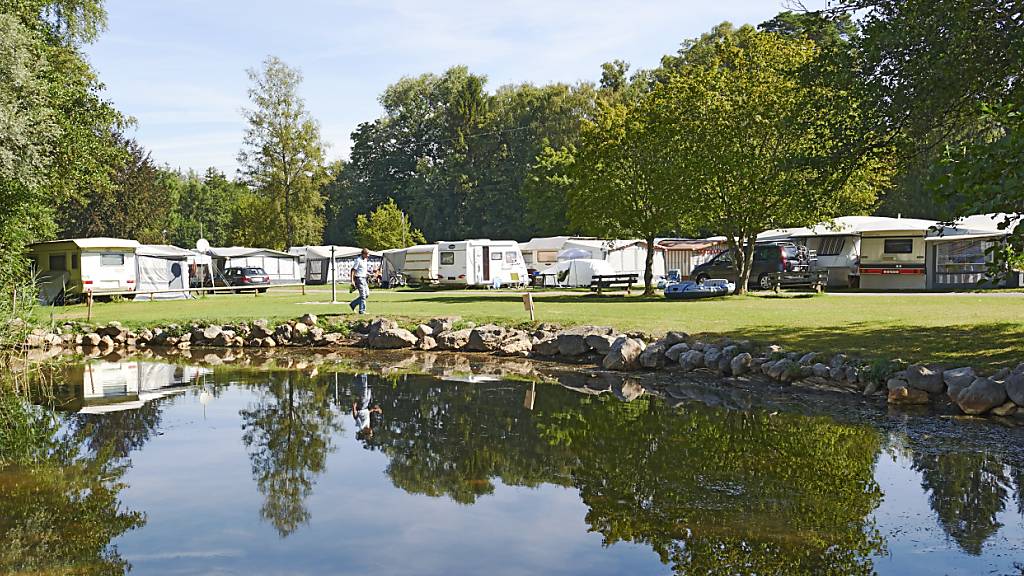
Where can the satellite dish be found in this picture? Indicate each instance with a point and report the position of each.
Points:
(202, 245)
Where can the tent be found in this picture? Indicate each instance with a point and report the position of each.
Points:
(575, 273)
(282, 267)
(161, 267)
(317, 262)
(419, 264)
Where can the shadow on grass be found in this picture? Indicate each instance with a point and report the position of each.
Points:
(994, 345)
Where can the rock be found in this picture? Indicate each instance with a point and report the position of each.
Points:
(439, 325)
(1005, 409)
(624, 354)
(386, 334)
(674, 337)
(784, 370)
(1000, 375)
(600, 343)
(1015, 388)
(426, 343)
(924, 378)
(958, 378)
(698, 345)
(309, 319)
(675, 351)
(691, 359)
(106, 343)
(820, 370)
(210, 333)
(628, 390)
(838, 360)
(519, 344)
(894, 383)
(268, 342)
(872, 388)
(452, 339)
(981, 396)
(837, 373)
(711, 356)
(907, 396)
(653, 356)
(34, 341)
(573, 344)
(546, 347)
(808, 359)
(423, 331)
(485, 338)
(740, 364)
(1019, 369)
(332, 338)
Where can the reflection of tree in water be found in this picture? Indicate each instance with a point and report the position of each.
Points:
(451, 439)
(720, 492)
(120, 432)
(967, 491)
(59, 498)
(288, 434)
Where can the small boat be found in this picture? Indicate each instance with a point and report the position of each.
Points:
(690, 290)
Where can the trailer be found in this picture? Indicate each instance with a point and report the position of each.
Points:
(480, 262)
(67, 269)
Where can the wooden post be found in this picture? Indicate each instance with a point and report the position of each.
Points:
(528, 305)
(88, 305)
(303, 286)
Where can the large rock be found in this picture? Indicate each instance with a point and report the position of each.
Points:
(439, 325)
(740, 364)
(426, 343)
(518, 344)
(675, 337)
(1006, 409)
(896, 383)
(691, 360)
(959, 378)
(675, 351)
(624, 354)
(91, 339)
(485, 338)
(981, 396)
(907, 396)
(210, 333)
(820, 370)
(423, 330)
(600, 343)
(453, 339)
(386, 334)
(925, 378)
(808, 359)
(546, 347)
(572, 344)
(654, 355)
(260, 329)
(785, 370)
(711, 356)
(309, 319)
(1015, 388)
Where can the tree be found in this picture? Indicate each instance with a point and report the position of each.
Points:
(282, 157)
(766, 142)
(206, 207)
(385, 228)
(626, 183)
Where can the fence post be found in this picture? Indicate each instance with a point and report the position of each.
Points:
(88, 304)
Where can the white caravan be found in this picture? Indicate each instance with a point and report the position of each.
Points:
(73, 267)
(480, 263)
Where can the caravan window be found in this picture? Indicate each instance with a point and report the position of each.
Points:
(528, 257)
(510, 257)
(496, 256)
(831, 246)
(447, 258)
(899, 246)
(58, 262)
(111, 259)
(547, 256)
(74, 261)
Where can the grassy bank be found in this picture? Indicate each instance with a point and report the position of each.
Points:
(979, 329)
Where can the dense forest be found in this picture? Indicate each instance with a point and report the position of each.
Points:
(870, 106)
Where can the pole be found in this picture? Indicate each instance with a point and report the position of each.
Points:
(334, 278)
(88, 304)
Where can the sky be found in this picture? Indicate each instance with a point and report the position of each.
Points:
(179, 68)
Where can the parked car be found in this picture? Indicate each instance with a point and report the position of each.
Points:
(247, 278)
(768, 258)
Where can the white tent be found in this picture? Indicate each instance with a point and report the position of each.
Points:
(283, 268)
(419, 264)
(317, 262)
(575, 273)
(162, 267)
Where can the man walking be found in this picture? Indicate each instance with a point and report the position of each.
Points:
(360, 272)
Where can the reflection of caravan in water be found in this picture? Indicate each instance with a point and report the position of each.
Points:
(480, 262)
(112, 386)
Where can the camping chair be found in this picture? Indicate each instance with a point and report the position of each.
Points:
(496, 284)
(517, 281)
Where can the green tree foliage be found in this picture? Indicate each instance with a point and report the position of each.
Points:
(627, 183)
(456, 157)
(283, 159)
(764, 140)
(208, 207)
(826, 32)
(385, 228)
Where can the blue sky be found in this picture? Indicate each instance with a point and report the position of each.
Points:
(179, 67)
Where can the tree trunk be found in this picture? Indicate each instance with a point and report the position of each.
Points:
(745, 263)
(649, 269)
(289, 232)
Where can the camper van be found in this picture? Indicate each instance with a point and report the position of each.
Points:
(70, 268)
(480, 263)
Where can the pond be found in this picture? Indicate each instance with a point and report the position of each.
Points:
(336, 467)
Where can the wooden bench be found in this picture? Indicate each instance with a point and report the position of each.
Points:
(600, 282)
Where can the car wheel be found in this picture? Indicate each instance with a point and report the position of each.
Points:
(764, 281)
(700, 278)
(262, 290)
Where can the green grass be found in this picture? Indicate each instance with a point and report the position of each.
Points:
(976, 329)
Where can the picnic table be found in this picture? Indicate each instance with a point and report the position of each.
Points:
(602, 281)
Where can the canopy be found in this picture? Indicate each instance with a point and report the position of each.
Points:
(575, 273)
(574, 254)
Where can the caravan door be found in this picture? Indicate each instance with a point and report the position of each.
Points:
(485, 260)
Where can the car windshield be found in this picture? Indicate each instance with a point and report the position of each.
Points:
(791, 252)
(254, 272)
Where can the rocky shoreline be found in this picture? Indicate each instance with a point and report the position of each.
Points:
(999, 395)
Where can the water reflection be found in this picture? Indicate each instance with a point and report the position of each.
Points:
(707, 482)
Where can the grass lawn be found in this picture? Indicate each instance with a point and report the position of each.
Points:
(975, 329)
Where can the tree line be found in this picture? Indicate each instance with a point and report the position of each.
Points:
(867, 106)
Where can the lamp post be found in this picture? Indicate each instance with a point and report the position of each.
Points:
(334, 278)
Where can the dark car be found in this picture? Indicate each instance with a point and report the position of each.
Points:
(248, 278)
(768, 258)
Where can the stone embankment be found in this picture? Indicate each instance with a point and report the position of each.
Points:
(999, 394)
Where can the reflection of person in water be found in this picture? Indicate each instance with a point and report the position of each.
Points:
(361, 407)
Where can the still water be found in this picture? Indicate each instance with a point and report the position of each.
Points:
(154, 468)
